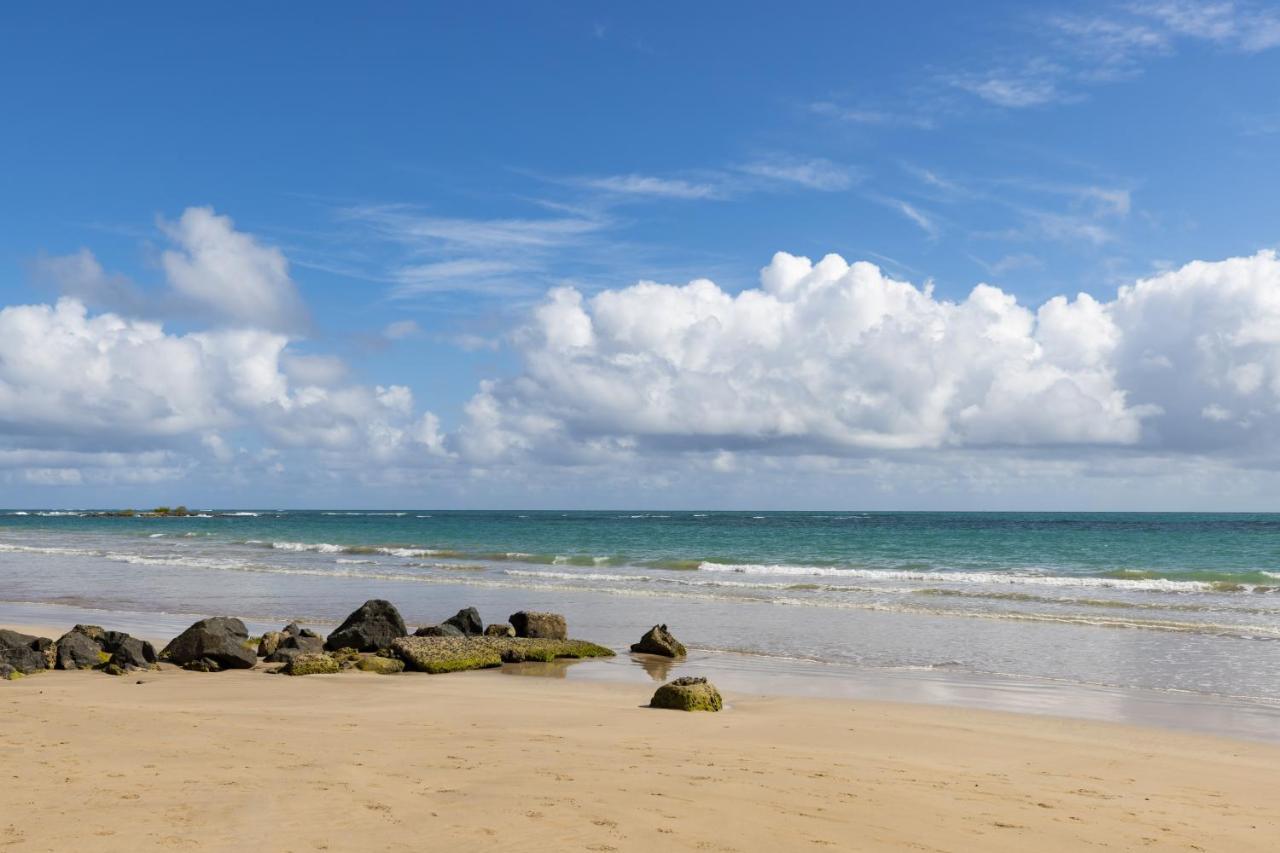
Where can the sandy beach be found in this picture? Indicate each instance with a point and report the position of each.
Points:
(355, 761)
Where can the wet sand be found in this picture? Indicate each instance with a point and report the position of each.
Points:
(178, 760)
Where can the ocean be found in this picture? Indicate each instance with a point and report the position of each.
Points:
(1165, 602)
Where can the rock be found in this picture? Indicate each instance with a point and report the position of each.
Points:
(270, 642)
(311, 663)
(444, 629)
(659, 641)
(79, 650)
(9, 673)
(452, 654)
(687, 694)
(210, 645)
(379, 664)
(23, 654)
(467, 621)
(293, 645)
(131, 653)
(499, 629)
(370, 628)
(293, 629)
(543, 626)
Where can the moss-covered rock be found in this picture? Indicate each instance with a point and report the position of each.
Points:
(379, 664)
(269, 643)
(688, 694)
(453, 654)
(311, 663)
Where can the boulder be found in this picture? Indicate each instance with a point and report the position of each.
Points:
(467, 621)
(379, 664)
(80, 650)
(452, 654)
(370, 628)
(293, 645)
(211, 645)
(23, 654)
(311, 663)
(543, 626)
(659, 641)
(270, 642)
(295, 630)
(687, 694)
(499, 629)
(444, 629)
(130, 653)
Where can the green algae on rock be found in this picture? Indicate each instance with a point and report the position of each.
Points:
(379, 665)
(454, 654)
(311, 663)
(687, 694)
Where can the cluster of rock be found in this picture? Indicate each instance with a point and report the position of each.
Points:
(83, 647)
(374, 638)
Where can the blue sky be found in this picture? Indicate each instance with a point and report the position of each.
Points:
(398, 193)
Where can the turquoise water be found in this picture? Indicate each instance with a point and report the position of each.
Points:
(1167, 601)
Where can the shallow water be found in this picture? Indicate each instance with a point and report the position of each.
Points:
(1163, 602)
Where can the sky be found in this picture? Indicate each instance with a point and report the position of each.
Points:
(613, 255)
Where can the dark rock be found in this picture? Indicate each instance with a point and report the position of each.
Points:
(293, 645)
(370, 628)
(542, 626)
(212, 644)
(131, 653)
(79, 650)
(296, 630)
(444, 629)
(499, 629)
(659, 641)
(23, 653)
(467, 621)
(688, 694)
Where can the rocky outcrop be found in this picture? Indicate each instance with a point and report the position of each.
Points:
(467, 621)
(452, 654)
(90, 647)
(211, 645)
(22, 654)
(542, 626)
(311, 663)
(659, 641)
(293, 645)
(688, 694)
(499, 629)
(370, 628)
(291, 636)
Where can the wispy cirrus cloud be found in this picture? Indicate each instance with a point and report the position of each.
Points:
(653, 187)
(814, 173)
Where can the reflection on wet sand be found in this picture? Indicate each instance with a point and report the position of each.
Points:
(657, 667)
(548, 669)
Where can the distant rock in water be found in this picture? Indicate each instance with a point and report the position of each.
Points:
(659, 641)
(210, 645)
(541, 626)
(371, 627)
(499, 629)
(467, 621)
(22, 654)
(688, 694)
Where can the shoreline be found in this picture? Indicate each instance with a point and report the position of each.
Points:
(767, 677)
(358, 761)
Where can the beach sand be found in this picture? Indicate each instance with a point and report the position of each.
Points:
(488, 760)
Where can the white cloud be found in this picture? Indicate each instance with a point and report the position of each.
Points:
(647, 185)
(815, 174)
(838, 359)
(401, 329)
(231, 273)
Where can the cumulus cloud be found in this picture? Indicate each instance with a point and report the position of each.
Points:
(230, 273)
(840, 359)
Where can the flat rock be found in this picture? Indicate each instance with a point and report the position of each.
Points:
(379, 664)
(209, 645)
(659, 641)
(688, 694)
(369, 628)
(453, 654)
(311, 663)
(542, 626)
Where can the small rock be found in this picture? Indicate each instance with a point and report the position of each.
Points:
(659, 641)
(499, 629)
(369, 628)
(271, 641)
(687, 694)
(444, 629)
(379, 664)
(467, 621)
(311, 663)
(544, 626)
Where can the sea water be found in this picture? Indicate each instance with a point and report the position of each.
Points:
(1168, 602)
